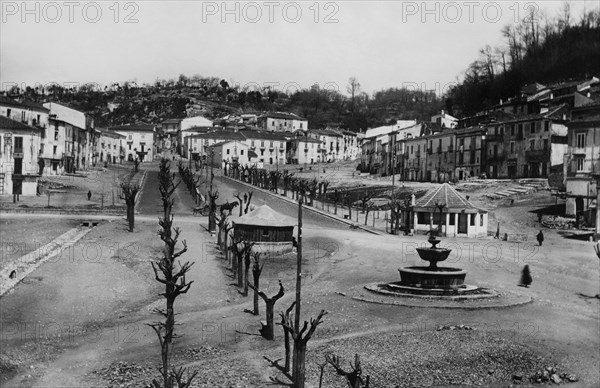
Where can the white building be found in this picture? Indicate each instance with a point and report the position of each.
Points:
(30, 113)
(139, 141)
(19, 150)
(230, 151)
(444, 120)
(303, 150)
(110, 147)
(270, 148)
(77, 129)
(283, 122)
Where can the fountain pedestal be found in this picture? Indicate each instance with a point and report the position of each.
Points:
(432, 276)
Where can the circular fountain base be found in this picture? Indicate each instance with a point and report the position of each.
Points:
(399, 288)
(425, 278)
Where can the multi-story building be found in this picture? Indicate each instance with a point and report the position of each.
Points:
(440, 163)
(26, 112)
(19, 150)
(527, 146)
(139, 141)
(230, 151)
(303, 150)
(282, 122)
(412, 156)
(198, 144)
(190, 126)
(331, 144)
(170, 130)
(68, 142)
(270, 148)
(110, 147)
(582, 163)
(469, 152)
(350, 145)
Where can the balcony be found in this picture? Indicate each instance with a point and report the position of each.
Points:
(542, 154)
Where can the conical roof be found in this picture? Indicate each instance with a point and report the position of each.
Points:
(445, 195)
(265, 216)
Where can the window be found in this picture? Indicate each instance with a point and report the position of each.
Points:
(451, 219)
(272, 123)
(265, 233)
(42, 148)
(227, 151)
(300, 125)
(531, 145)
(8, 113)
(512, 147)
(129, 137)
(512, 129)
(23, 116)
(581, 140)
(546, 125)
(252, 143)
(545, 144)
(56, 134)
(129, 147)
(472, 219)
(242, 152)
(580, 164)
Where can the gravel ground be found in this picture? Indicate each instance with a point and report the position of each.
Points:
(423, 359)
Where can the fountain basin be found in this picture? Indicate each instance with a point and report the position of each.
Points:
(425, 277)
(433, 255)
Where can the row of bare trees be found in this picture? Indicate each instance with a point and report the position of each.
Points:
(169, 272)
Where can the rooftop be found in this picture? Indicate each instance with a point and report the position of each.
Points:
(283, 115)
(138, 127)
(6, 123)
(6, 101)
(444, 194)
(265, 216)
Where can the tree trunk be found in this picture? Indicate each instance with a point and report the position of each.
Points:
(299, 363)
(286, 338)
(131, 216)
(256, 288)
(268, 330)
(240, 272)
(246, 271)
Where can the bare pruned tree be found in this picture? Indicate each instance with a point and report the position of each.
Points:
(267, 331)
(128, 193)
(354, 377)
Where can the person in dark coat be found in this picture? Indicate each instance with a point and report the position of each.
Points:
(540, 237)
(89, 195)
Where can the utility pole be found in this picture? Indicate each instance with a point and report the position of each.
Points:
(393, 162)
(299, 265)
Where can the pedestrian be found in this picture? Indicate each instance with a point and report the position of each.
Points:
(526, 279)
(89, 195)
(540, 237)
(497, 236)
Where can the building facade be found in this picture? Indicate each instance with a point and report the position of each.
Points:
(19, 150)
(138, 142)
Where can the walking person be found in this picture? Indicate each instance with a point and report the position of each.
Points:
(540, 237)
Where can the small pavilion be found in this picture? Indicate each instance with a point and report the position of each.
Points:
(270, 231)
(458, 216)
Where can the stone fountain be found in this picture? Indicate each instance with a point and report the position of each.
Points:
(431, 279)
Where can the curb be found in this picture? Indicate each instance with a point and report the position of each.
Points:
(291, 201)
(66, 212)
(30, 262)
(139, 193)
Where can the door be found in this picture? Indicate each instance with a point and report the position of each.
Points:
(463, 222)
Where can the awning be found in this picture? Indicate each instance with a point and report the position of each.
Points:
(252, 154)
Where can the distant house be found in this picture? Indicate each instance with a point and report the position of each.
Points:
(139, 141)
(199, 143)
(270, 148)
(188, 127)
(444, 120)
(282, 122)
(170, 130)
(19, 150)
(458, 217)
(231, 151)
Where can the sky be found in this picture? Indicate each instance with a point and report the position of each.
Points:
(423, 45)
